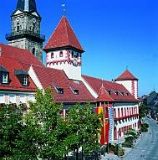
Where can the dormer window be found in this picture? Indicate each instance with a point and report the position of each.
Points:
(75, 91)
(61, 53)
(117, 93)
(109, 92)
(59, 90)
(4, 75)
(127, 94)
(23, 77)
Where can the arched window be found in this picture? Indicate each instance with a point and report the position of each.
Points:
(18, 27)
(34, 51)
(52, 55)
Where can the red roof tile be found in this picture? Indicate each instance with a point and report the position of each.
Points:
(103, 95)
(117, 91)
(57, 78)
(11, 65)
(63, 36)
(21, 55)
(126, 75)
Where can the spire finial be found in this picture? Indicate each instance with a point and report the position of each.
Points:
(126, 67)
(63, 5)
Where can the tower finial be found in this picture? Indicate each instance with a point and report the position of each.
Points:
(63, 5)
(126, 67)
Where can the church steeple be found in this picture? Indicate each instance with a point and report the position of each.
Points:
(26, 5)
(25, 29)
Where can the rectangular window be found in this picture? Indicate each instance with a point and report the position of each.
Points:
(4, 78)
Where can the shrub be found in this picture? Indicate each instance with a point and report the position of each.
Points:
(119, 150)
(144, 127)
(128, 142)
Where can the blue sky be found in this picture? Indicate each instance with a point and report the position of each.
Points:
(114, 34)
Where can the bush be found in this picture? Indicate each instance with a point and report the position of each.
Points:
(119, 150)
(144, 127)
(132, 133)
(128, 142)
(103, 150)
(112, 148)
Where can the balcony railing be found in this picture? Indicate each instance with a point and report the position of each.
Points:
(13, 35)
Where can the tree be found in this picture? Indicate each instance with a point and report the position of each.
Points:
(143, 110)
(46, 122)
(10, 127)
(84, 127)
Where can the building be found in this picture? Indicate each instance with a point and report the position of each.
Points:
(62, 73)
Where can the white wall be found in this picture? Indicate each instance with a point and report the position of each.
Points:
(16, 97)
(127, 121)
(65, 63)
(128, 85)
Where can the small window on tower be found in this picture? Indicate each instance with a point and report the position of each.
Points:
(33, 51)
(74, 55)
(18, 27)
(61, 53)
(52, 55)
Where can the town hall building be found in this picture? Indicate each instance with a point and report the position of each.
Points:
(22, 72)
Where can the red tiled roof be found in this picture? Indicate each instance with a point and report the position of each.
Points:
(11, 65)
(117, 91)
(21, 55)
(103, 95)
(57, 78)
(63, 36)
(126, 75)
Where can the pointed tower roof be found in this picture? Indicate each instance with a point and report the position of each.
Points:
(26, 5)
(126, 75)
(103, 95)
(63, 36)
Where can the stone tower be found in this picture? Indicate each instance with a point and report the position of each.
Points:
(25, 28)
(64, 51)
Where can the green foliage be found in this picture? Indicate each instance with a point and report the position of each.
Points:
(84, 125)
(10, 128)
(46, 126)
(143, 110)
(43, 133)
(116, 149)
(144, 127)
(14, 136)
(128, 141)
(133, 133)
(119, 150)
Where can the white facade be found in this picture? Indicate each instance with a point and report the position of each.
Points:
(64, 60)
(8, 97)
(131, 86)
(126, 115)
